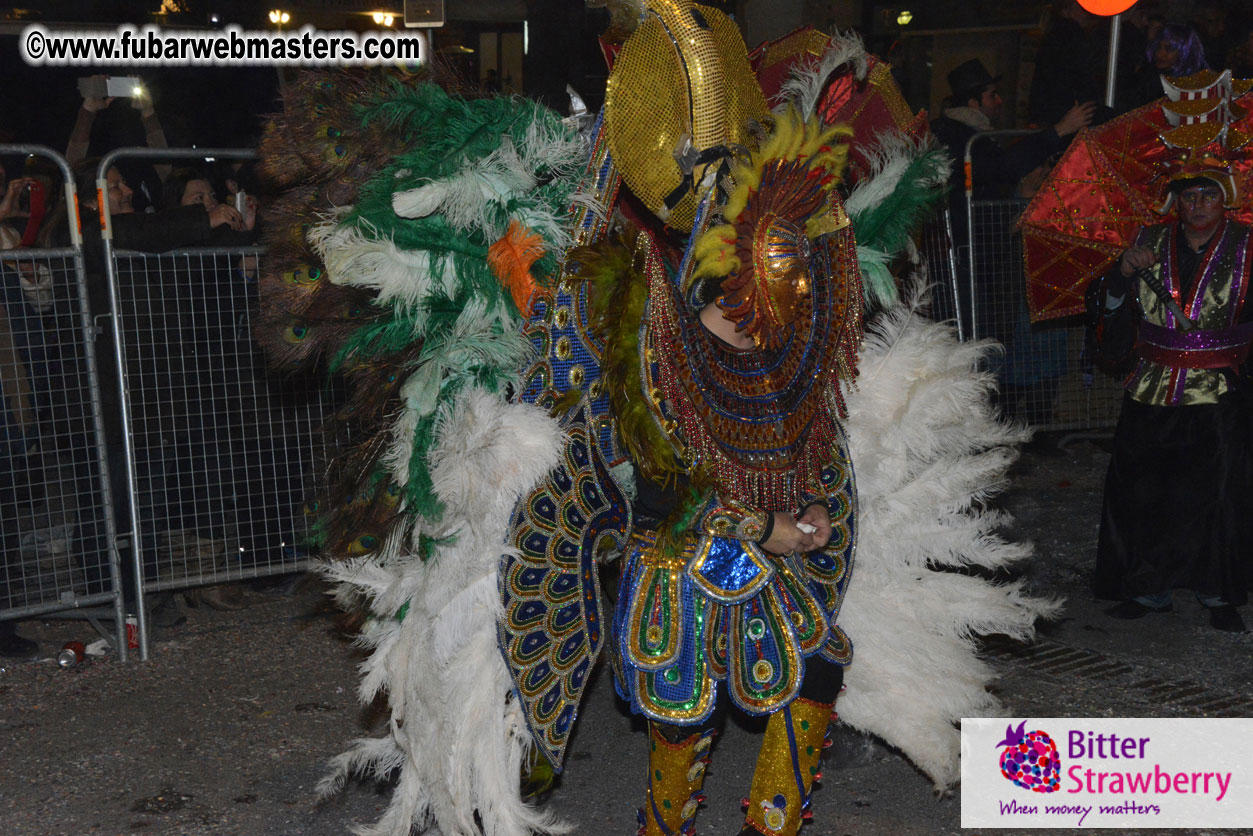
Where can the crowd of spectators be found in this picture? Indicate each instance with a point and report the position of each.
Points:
(187, 336)
(1145, 549)
(1067, 92)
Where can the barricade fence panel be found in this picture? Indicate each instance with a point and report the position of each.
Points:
(223, 451)
(1044, 374)
(55, 551)
(143, 444)
(57, 535)
(940, 256)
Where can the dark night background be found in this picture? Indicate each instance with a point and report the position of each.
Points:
(204, 106)
(225, 107)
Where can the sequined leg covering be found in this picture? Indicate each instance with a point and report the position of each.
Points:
(787, 768)
(676, 773)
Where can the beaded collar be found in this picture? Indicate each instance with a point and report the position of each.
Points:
(763, 421)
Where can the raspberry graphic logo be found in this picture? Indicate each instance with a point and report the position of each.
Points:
(1030, 759)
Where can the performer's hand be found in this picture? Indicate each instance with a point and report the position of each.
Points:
(820, 519)
(785, 537)
(1136, 259)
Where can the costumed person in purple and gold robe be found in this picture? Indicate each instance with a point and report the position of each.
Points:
(1175, 511)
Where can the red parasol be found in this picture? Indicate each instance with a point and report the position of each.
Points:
(1098, 195)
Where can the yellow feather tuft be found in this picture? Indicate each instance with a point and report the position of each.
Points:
(792, 138)
(715, 253)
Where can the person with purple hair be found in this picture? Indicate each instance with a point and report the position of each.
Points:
(1176, 51)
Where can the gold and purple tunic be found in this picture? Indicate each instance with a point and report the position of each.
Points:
(1181, 368)
(1176, 508)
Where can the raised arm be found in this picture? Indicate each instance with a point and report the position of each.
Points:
(80, 136)
(154, 134)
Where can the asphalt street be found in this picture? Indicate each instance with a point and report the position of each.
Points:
(229, 725)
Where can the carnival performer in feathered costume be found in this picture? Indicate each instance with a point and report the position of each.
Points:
(639, 338)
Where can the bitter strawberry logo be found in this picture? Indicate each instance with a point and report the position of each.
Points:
(1030, 759)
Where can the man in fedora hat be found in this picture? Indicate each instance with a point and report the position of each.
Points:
(976, 106)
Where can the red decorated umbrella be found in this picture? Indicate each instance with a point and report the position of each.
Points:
(1103, 189)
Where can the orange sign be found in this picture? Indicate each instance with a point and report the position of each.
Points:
(1107, 7)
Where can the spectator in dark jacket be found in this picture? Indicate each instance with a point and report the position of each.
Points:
(977, 107)
(995, 170)
(1240, 58)
(1215, 24)
(192, 187)
(1070, 66)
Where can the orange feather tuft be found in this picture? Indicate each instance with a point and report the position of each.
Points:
(511, 258)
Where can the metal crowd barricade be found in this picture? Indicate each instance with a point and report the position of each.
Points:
(940, 255)
(217, 453)
(1046, 378)
(59, 551)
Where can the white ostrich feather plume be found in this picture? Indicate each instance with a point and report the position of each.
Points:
(470, 200)
(474, 198)
(808, 79)
(354, 258)
(455, 736)
(925, 444)
(555, 148)
(889, 158)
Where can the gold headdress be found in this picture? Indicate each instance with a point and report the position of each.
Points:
(680, 94)
(1202, 115)
(784, 200)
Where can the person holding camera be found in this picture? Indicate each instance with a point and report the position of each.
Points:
(192, 187)
(95, 101)
(15, 208)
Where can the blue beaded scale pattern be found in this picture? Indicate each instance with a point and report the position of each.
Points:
(724, 611)
(759, 419)
(831, 568)
(568, 353)
(551, 629)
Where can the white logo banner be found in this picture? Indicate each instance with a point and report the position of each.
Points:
(1103, 772)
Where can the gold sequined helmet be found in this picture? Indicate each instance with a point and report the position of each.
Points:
(680, 95)
(1201, 114)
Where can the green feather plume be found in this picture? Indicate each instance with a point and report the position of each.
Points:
(906, 183)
